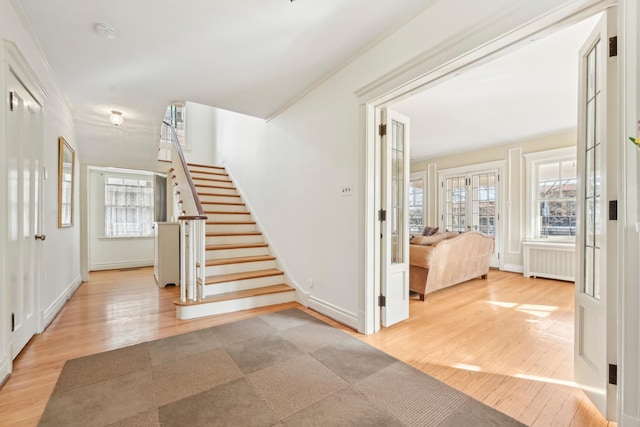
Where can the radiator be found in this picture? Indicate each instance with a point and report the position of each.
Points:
(551, 260)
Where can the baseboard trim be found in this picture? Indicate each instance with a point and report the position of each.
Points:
(119, 265)
(336, 313)
(52, 311)
(514, 268)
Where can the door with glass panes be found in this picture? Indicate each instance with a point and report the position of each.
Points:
(469, 202)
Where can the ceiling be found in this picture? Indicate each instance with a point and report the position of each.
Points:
(248, 56)
(527, 93)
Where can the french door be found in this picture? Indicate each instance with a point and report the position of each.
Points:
(596, 281)
(24, 199)
(469, 202)
(394, 218)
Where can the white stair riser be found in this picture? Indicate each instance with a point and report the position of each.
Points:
(234, 240)
(230, 228)
(236, 253)
(228, 217)
(231, 191)
(242, 267)
(224, 208)
(202, 310)
(198, 169)
(222, 199)
(210, 174)
(224, 184)
(242, 285)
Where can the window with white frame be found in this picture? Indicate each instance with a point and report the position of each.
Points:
(552, 180)
(128, 207)
(416, 203)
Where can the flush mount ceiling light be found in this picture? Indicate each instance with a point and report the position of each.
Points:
(107, 31)
(116, 118)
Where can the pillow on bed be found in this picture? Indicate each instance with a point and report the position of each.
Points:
(429, 231)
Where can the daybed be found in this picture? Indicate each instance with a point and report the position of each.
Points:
(453, 258)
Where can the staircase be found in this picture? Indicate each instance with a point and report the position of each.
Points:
(240, 272)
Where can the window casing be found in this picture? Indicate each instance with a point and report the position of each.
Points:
(128, 207)
(552, 196)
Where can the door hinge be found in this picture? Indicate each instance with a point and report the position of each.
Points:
(382, 215)
(613, 210)
(498, 177)
(613, 374)
(12, 102)
(498, 256)
(613, 46)
(382, 301)
(13, 322)
(382, 129)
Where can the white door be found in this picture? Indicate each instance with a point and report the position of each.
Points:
(596, 282)
(470, 203)
(395, 218)
(24, 193)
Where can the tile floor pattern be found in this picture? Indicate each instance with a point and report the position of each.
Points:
(286, 368)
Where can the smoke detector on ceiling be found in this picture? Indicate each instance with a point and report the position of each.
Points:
(107, 31)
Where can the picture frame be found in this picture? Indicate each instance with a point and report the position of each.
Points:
(66, 175)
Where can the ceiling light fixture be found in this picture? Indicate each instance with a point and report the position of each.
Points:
(116, 118)
(107, 31)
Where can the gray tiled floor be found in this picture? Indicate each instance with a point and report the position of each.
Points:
(285, 368)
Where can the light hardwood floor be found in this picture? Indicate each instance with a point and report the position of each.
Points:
(507, 341)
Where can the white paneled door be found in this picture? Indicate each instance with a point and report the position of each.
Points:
(24, 194)
(395, 218)
(596, 281)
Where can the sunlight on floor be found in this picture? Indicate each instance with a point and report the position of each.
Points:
(466, 367)
(532, 309)
(545, 380)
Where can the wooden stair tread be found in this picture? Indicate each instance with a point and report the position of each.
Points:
(239, 260)
(213, 186)
(205, 166)
(232, 277)
(231, 222)
(236, 246)
(219, 195)
(234, 233)
(265, 290)
(226, 213)
(223, 203)
(210, 179)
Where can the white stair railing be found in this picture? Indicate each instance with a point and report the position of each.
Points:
(192, 221)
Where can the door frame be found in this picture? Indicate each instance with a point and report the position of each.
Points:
(12, 61)
(383, 92)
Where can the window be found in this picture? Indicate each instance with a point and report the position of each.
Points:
(128, 207)
(174, 115)
(416, 203)
(552, 177)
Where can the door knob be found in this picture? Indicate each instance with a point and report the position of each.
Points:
(41, 237)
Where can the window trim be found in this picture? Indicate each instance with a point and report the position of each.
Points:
(532, 161)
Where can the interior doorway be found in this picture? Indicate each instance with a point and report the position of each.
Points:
(392, 101)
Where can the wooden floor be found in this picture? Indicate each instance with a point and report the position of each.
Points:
(507, 341)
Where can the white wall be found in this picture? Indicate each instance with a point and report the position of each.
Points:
(200, 134)
(107, 253)
(293, 174)
(513, 182)
(60, 267)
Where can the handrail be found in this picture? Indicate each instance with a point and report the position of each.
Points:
(192, 187)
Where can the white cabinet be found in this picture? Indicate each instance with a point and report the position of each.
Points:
(166, 265)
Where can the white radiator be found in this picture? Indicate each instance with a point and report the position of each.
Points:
(551, 260)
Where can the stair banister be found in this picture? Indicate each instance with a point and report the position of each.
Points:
(192, 225)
